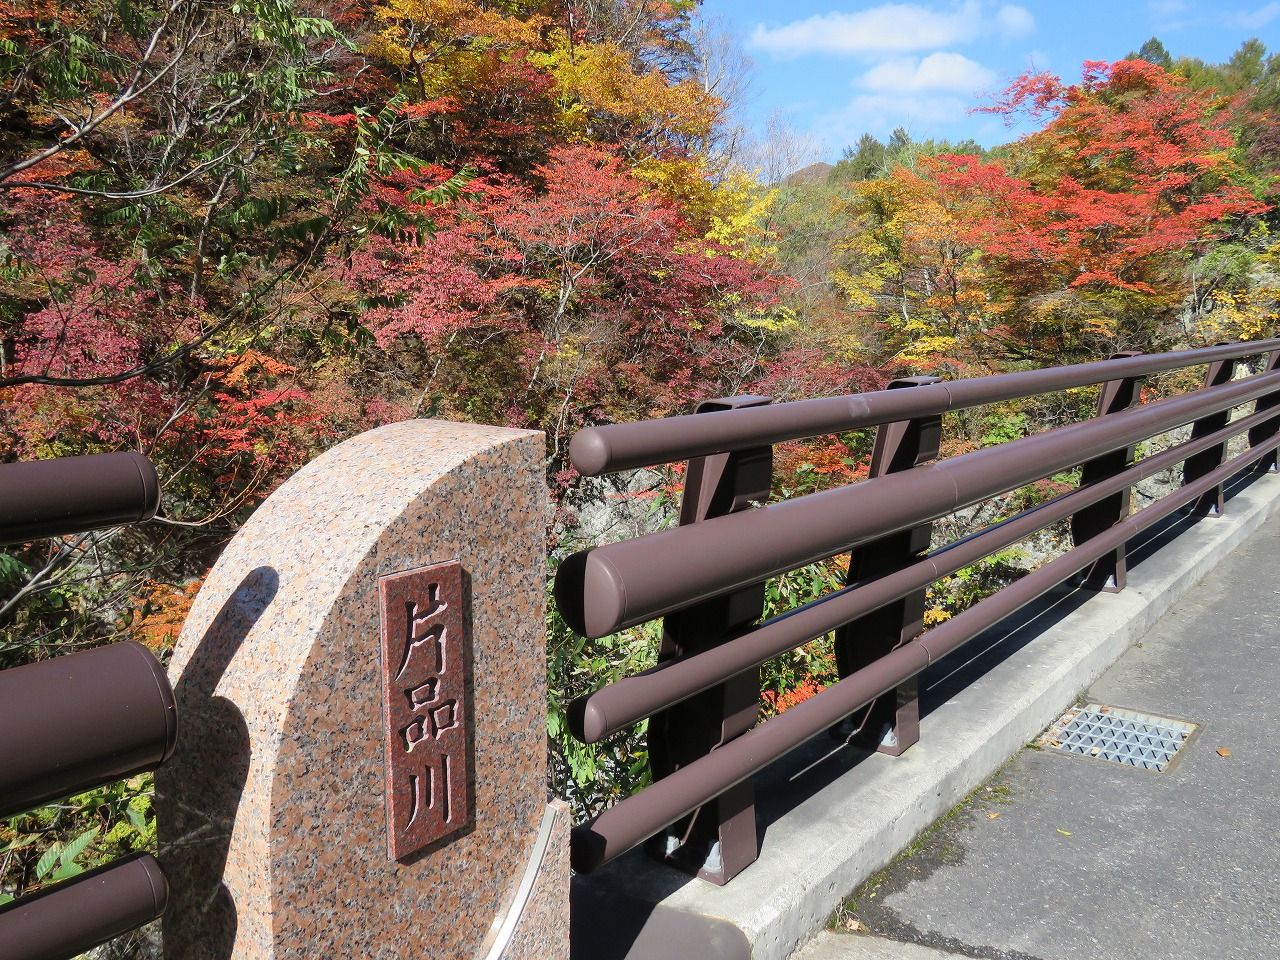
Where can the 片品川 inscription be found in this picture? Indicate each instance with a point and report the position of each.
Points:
(424, 706)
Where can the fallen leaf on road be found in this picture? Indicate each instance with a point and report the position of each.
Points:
(1224, 752)
(1065, 833)
(993, 815)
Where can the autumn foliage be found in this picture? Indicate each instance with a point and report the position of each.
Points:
(1132, 167)
(234, 235)
(1075, 241)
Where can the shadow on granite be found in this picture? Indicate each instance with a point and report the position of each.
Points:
(194, 843)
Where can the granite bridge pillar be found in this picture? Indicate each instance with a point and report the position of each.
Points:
(360, 769)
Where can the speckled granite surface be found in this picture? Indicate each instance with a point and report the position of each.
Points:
(542, 932)
(277, 785)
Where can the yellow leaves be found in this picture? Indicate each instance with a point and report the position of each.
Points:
(389, 46)
(860, 287)
(450, 21)
(602, 78)
(681, 180)
(936, 615)
(603, 93)
(776, 321)
(444, 33)
(926, 351)
(732, 215)
(904, 263)
(1242, 315)
(739, 216)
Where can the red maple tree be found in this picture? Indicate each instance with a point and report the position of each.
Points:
(1132, 167)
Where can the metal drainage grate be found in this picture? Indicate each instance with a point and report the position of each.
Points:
(1121, 736)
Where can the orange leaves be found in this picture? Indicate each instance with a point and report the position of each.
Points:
(819, 464)
(158, 614)
(430, 108)
(321, 121)
(1131, 170)
(236, 371)
(1072, 240)
(807, 689)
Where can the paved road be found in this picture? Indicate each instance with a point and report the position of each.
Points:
(1063, 858)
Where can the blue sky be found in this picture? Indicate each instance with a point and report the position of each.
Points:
(836, 68)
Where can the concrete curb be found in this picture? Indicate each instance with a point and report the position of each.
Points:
(836, 946)
(832, 818)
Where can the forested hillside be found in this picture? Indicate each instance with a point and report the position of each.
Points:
(233, 235)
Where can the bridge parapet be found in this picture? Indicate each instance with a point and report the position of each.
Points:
(697, 814)
(361, 768)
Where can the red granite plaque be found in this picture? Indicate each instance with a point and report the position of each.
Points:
(424, 707)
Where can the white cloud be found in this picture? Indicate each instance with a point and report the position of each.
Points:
(1015, 21)
(1169, 16)
(950, 72)
(891, 111)
(1260, 17)
(893, 28)
(889, 28)
(881, 113)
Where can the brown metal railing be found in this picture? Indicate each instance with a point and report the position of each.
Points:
(81, 720)
(705, 576)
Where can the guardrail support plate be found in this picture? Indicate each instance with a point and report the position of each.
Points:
(1269, 429)
(1197, 465)
(718, 840)
(1109, 572)
(892, 723)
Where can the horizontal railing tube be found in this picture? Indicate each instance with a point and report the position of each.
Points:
(605, 589)
(624, 702)
(49, 498)
(625, 446)
(631, 821)
(69, 918)
(81, 720)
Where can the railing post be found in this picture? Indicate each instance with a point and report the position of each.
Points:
(893, 722)
(1266, 431)
(1197, 465)
(1109, 572)
(718, 840)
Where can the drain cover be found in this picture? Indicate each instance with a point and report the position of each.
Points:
(1121, 736)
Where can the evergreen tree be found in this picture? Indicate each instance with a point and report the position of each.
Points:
(1153, 51)
(864, 161)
